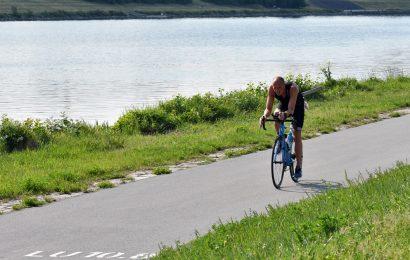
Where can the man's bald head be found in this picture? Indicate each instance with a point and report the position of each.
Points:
(278, 82)
(278, 85)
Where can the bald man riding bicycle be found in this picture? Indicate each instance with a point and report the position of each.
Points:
(291, 103)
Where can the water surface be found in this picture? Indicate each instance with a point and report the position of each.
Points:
(94, 70)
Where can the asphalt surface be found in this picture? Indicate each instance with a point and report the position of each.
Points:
(133, 220)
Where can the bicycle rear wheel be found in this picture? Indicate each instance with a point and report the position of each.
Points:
(277, 166)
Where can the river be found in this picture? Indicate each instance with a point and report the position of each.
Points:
(95, 70)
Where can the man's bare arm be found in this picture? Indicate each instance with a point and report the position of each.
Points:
(294, 91)
(269, 102)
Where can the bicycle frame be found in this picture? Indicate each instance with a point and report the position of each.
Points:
(286, 151)
(284, 143)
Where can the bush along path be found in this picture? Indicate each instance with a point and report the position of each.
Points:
(65, 156)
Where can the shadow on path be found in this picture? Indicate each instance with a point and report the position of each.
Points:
(312, 186)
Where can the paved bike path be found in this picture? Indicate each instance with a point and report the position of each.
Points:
(124, 222)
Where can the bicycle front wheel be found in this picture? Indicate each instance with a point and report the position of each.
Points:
(292, 166)
(277, 166)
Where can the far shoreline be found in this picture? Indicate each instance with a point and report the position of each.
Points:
(113, 15)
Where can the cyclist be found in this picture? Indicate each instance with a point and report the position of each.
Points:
(291, 103)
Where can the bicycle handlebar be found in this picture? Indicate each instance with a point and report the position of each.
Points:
(276, 119)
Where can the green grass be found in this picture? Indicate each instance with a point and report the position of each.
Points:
(161, 170)
(72, 162)
(367, 220)
(395, 114)
(105, 185)
(29, 202)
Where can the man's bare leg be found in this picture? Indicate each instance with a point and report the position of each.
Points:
(277, 126)
(298, 147)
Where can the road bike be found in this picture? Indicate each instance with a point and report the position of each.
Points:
(283, 156)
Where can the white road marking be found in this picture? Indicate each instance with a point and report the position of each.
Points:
(93, 254)
(59, 254)
(143, 256)
(106, 254)
(118, 255)
(35, 254)
(96, 254)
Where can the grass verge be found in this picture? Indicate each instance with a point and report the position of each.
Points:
(72, 161)
(29, 202)
(367, 220)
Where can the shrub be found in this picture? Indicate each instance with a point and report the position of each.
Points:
(147, 121)
(304, 82)
(251, 99)
(17, 136)
(172, 113)
(73, 127)
(210, 108)
(198, 108)
(344, 85)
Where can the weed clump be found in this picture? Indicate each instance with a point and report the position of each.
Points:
(395, 114)
(161, 170)
(29, 202)
(106, 185)
(319, 229)
(34, 185)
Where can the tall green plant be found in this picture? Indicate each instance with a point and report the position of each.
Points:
(17, 136)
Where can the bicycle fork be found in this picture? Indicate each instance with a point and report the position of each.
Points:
(287, 149)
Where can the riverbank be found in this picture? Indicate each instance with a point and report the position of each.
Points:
(46, 10)
(65, 156)
(119, 15)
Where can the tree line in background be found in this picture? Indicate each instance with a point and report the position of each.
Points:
(265, 3)
(143, 1)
